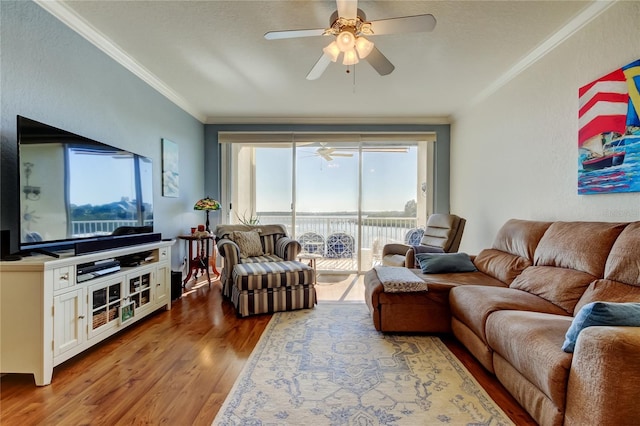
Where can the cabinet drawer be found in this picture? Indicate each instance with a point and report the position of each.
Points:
(63, 277)
(163, 254)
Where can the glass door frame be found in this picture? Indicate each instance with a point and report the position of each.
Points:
(424, 180)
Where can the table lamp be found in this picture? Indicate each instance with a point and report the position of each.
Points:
(207, 204)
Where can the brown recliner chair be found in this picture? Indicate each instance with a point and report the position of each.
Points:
(442, 235)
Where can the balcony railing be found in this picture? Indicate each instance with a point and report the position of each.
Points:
(376, 232)
(101, 227)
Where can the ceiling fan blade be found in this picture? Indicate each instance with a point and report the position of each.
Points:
(326, 157)
(279, 35)
(405, 24)
(326, 150)
(341, 154)
(377, 149)
(347, 9)
(380, 62)
(319, 67)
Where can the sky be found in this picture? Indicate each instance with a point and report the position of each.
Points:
(332, 186)
(103, 179)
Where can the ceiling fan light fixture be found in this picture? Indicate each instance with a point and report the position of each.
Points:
(345, 41)
(332, 51)
(350, 57)
(364, 47)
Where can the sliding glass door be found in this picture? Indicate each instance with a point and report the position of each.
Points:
(390, 199)
(342, 199)
(326, 207)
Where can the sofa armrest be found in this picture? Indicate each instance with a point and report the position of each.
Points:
(604, 380)
(230, 251)
(287, 248)
(395, 248)
(398, 249)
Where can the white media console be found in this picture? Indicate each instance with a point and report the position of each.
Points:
(48, 315)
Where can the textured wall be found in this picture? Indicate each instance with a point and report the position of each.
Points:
(515, 154)
(51, 74)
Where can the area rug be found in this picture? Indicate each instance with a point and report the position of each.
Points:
(329, 366)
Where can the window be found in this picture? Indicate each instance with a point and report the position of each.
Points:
(350, 194)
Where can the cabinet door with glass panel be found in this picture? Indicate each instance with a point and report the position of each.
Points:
(139, 289)
(105, 300)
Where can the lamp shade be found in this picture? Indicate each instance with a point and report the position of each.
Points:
(345, 41)
(364, 47)
(207, 204)
(350, 57)
(332, 51)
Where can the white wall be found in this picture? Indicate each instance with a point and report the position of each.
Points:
(514, 155)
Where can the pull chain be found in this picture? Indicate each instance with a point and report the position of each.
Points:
(354, 76)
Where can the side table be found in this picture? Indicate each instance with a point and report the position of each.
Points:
(312, 258)
(200, 259)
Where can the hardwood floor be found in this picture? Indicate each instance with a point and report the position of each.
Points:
(172, 368)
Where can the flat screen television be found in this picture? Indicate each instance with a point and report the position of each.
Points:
(74, 189)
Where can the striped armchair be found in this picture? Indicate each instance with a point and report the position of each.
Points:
(276, 246)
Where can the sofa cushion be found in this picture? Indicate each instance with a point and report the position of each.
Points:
(609, 291)
(601, 313)
(437, 263)
(394, 260)
(256, 276)
(501, 265)
(520, 237)
(455, 279)
(562, 287)
(623, 263)
(472, 305)
(583, 246)
(248, 242)
(530, 342)
(265, 258)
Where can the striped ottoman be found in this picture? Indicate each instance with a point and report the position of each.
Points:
(268, 287)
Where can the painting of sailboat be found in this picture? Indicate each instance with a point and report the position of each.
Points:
(609, 133)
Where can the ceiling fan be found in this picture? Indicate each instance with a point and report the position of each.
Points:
(349, 25)
(329, 152)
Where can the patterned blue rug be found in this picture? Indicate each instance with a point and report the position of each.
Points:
(329, 366)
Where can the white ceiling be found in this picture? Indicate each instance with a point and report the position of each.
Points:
(211, 59)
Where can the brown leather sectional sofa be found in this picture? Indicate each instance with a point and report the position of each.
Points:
(513, 314)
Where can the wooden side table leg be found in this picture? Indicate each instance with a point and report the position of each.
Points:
(189, 264)
(212, 261)
(186, 280)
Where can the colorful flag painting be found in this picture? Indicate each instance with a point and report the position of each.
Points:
(609, 133)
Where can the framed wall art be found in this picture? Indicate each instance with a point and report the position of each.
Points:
(127, 312)
(609, 133)
(170, 172)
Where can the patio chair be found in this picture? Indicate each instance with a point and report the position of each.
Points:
(340, 245)
(312, 242)
(413, 236)
(442, 235)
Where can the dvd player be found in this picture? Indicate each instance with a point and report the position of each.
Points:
(88, 271)
(85, 268)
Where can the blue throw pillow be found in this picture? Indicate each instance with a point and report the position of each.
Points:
(438, 263)
(423, 249)
(601, 313)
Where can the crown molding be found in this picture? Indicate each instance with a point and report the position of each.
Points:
(328, 120)
(585, 16)
(72, 20)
